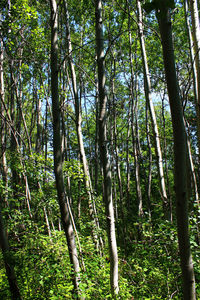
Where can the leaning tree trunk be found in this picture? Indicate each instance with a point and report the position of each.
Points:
(147, 88)
(180, 154)
(104, 151)
(58, 170)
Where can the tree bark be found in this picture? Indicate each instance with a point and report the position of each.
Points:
(136, 152)
(3, 165)
(196, 69)
(58, 170)
(191, 166)
(87, 178)
(180, 154)
(96, 143)
(116, 160)
(147, 88)
(128, 176)
(104, 151)
(149, 180)
(15, 293)
(134, 126)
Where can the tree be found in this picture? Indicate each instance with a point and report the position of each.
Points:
(180, 150)
(147, 88)
(104, 151)
(15, 293)
(62, 198)
(196, 56)
(78, 116)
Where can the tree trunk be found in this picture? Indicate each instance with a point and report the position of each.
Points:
(191, 167)
(38, 146)
(47, 222)
(104, 152)
(96, 143)
(180, 154)
(136, 151)
(196, 70)
(15, 293)
(149, 180)
(3, 164)
(64, 206)
(147, 88)
(116, 161)
(128, 174)
(165, 160)
(134, 127)
(87, 178)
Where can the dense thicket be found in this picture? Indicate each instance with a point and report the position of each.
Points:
(97, 200)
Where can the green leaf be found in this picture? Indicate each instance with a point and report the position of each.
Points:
(41, 282)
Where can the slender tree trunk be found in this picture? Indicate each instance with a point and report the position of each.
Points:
(134, 125)
(87, 177)
(180, 154)
(193, 60)
(165, 160)
(104, 151)
(39, 126)
(114, 179)
(45, 144)
(47, 221)
(136, 156)
(196, 48)
(15, 293)
(65, 156)
(96, 142)
(128, 176)
(16, 155)
(191, 166)
(147, 87)
(117, 191)
(149, 163)
(13, 140)
(69, 194)
(113, 118)
(3, 163)
(64, 206)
